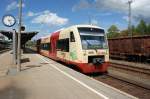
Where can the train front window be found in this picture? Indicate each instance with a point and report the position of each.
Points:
(92, 38)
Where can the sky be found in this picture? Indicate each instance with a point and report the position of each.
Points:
(47, 16)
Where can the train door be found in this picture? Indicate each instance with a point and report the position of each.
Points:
(63, 46)
(76, 52)
(63, 49)
(73, 47)
(53, 39)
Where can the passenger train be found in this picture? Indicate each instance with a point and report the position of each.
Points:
(83, 46)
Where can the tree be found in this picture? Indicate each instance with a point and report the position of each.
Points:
(133, 29)
(141, 28)
(124, 33)
(31, 43)
(148, 29)
(113, 31)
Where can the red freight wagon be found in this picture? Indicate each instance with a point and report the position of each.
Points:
(133, 48)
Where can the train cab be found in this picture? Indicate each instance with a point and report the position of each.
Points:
(85, 46)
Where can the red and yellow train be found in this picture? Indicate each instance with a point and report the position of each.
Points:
(84, 46)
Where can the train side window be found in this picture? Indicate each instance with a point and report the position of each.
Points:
(66, 45)
(72, 39)
(50, 46)
(59, 45)
(46, 46)
(42, 46)
(63, 45)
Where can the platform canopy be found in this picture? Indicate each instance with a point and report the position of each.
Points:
(25, 36)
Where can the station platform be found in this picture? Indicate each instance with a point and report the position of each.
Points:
(43, 78)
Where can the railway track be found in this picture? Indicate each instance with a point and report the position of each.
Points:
(132, 74)
(131, 68)
(2, 51)
(128, 78)
(125, 86)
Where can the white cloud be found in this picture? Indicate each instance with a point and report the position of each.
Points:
(110, 4)
(83, 4)
(140, 8)
(13, 5)
(49, 18)
(30, 14)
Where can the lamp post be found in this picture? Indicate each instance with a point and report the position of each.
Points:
(129, 21)
(129, 26)
(19, 38)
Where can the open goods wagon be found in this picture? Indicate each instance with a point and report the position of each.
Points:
(130, 48)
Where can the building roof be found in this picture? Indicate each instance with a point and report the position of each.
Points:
(25, 36)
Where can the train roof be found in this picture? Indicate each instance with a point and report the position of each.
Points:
(85, 25)
(73, 26)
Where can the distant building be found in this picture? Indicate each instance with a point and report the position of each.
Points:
(2, 37)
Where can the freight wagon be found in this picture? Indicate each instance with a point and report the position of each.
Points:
(130, 48)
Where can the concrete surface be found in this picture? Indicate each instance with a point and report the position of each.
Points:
(5, 63)
(43, 78)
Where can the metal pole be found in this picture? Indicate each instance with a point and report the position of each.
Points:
(90, 19)
(129, 24)
(90, 16)
(14, 47)
(19, 38)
